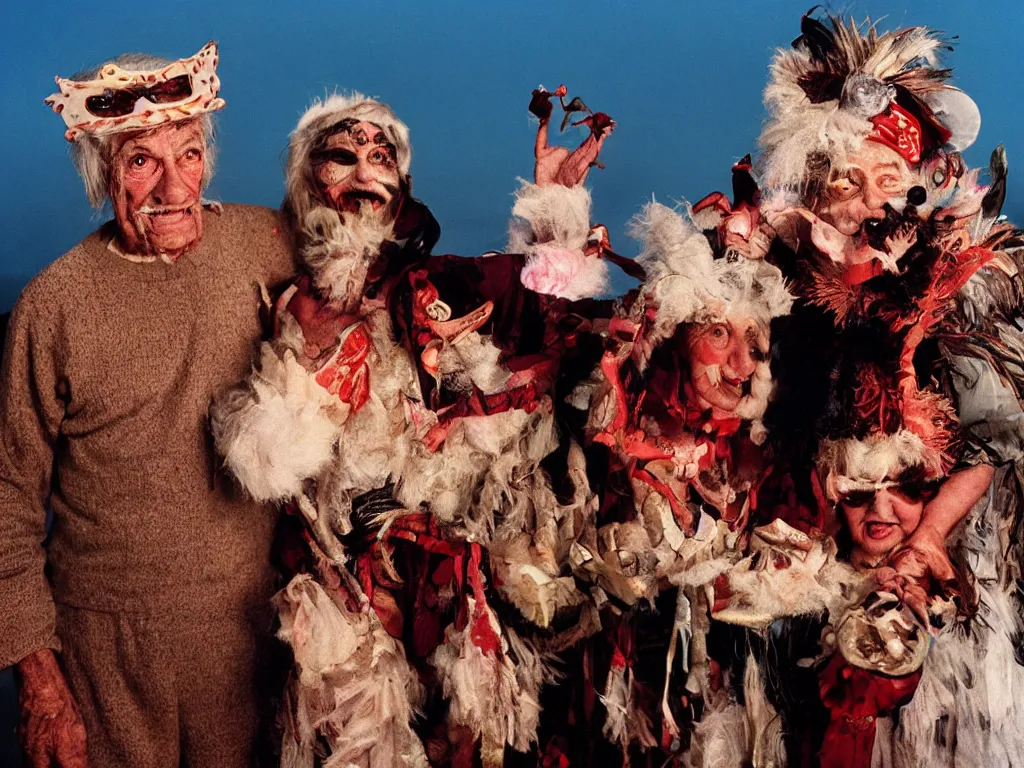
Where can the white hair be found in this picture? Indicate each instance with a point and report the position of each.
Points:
(686, 283)
(320, 119)
(92, 154)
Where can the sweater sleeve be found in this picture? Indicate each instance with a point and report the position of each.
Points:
(32, 403)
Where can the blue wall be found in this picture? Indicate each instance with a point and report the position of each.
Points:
(683, 80)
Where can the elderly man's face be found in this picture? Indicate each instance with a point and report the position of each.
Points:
(722, 359)
(156, 180)
(871, 177)
(356, 166)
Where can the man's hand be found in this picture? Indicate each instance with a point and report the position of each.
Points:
(50, 729)
(912, 592)
(924, 555)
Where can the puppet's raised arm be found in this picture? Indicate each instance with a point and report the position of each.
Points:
(551, 217)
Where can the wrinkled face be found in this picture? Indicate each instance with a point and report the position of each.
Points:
(356, 168)
(881, 520)
(156, 179)
(870, 178)
(722, 359)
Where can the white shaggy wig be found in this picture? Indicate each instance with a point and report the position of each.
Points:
(687, 284)
(875, 461)
(92, 155)
(320, 119)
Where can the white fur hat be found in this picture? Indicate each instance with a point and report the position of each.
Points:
(321, 117)
(687, 284)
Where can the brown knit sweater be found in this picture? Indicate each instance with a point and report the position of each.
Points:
(107, 376)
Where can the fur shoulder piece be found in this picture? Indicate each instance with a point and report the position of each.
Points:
(273, 432)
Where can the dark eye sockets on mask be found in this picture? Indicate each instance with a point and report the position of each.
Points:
(913, 491)
(339, 156)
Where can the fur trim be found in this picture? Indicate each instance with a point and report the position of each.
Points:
(731, 735)
(352, 690)
(375, 440)
(849, 465)
(787, 573)
(274, 432)
(321, 117)
(625, 723)
(339, 254)
(767, 747)
(720, 739)
(569, 274)
(475, 478)
(551, 225)
(969, 706)
(473, 362)
(496, 698)
(752, 407)
(551, 214)
(686, 284)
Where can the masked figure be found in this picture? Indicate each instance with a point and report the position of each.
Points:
(155, 609)
(403, 408)
(893, 248)
(674, 428)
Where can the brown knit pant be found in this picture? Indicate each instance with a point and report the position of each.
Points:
(160, 693)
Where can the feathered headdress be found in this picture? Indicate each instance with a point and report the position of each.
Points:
(840, 84)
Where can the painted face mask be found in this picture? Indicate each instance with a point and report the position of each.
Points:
(356, 169)
(723, 358)
(870, 178)
(125, 100)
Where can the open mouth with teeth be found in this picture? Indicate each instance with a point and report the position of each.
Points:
(734, 387)
(352, 201)
(168, 218)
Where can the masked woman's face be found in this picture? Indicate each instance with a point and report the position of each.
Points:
(723, 357)
(881, 520)
(871, 178)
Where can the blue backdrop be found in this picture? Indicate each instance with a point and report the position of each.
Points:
(683, 80)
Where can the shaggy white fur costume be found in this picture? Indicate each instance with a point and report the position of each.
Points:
(284, 437)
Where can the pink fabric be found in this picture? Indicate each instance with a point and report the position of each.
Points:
(564, 272)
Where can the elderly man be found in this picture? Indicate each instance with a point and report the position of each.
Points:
(135, 633)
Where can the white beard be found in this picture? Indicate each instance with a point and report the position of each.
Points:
(339, 252)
